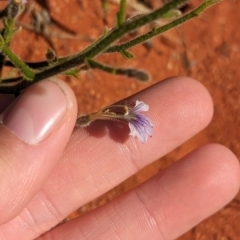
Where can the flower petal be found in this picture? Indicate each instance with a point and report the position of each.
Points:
(140, 107)
(140, 126)
(136, 131)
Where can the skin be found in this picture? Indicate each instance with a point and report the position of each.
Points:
(42, 183)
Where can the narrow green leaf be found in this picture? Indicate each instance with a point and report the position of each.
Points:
(138, 74)
(128, 55)
(72, 72)
(172, 14)
(121, 15)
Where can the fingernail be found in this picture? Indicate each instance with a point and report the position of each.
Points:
(35, 113)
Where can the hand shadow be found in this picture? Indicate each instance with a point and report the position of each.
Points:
(118, 131)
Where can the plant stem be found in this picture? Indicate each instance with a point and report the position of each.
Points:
(109, 38)
(129, 26)
(158, 31)
(33, 65)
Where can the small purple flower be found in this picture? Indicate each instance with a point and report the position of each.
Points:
(140, 125)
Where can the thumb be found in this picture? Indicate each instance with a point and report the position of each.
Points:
(34, 132)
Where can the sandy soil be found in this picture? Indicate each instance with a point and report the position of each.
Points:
(206, 49)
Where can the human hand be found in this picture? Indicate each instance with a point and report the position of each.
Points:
(44, 176)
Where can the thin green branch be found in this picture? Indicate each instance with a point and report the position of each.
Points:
(33, 65)
(26, 71)
(10, 81)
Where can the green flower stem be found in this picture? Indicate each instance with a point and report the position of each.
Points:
(7, 34)
(10, 12)
(13, 9)
(115, 34)
(140, 75)
(8, 30)
(28, 74)
(157, 31)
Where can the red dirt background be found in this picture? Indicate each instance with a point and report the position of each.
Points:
(206, 48)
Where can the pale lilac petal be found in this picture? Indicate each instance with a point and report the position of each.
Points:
(140, 107)
(148, 129)
(144, 123)
(140, 126)
(137, 131)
